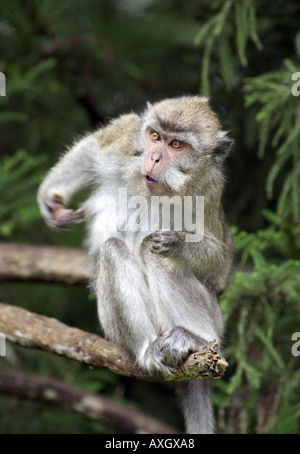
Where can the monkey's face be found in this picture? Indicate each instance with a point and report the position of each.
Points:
(166, 159)
(182, 141)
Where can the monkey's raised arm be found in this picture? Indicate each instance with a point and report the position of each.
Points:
(68, 176)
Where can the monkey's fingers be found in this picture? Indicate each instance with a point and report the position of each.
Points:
(155, 236)
(61, 217)
(64, 218)
(164, 242)
(161, 250)
(167, 236)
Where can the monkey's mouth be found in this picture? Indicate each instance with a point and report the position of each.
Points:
(150, 179)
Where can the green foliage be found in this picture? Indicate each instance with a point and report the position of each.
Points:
(279, 116)
(233, 20)
(261, 311)
(69, 66)
(19, 178)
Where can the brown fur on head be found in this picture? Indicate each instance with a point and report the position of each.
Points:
(191, 112)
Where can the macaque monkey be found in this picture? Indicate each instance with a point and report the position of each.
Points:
(157, 285)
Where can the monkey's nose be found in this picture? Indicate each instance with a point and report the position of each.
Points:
(156, 156)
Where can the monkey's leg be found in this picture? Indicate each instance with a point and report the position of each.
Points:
(124, 304)
(196, 401)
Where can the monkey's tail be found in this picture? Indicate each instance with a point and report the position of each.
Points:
(196, 401)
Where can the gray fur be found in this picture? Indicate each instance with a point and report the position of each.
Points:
(157, 293)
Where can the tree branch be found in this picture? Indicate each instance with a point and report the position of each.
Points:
(90, 405)
(36, 331)
(25, 262)
(20, 262)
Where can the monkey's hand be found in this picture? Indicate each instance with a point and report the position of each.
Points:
(165, 242)
(58, 216)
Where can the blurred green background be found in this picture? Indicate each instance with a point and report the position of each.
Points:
(70, 66)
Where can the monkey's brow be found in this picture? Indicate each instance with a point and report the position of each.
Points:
(169, 125)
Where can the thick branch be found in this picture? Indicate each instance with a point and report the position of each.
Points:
(89, 405)
(20, 262)
(36, 331)
(25, 262)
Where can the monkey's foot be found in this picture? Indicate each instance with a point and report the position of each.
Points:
(177, 344)
(153, 361)
(167, 353)
(204, 363)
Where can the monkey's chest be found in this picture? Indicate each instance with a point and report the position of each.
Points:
(117, 215)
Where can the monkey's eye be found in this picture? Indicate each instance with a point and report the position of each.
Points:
(155, 136)
(176, 144)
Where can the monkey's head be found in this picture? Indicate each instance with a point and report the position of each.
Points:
(182, 142)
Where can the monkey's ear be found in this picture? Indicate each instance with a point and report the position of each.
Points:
(221, 152)
(149, 105)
